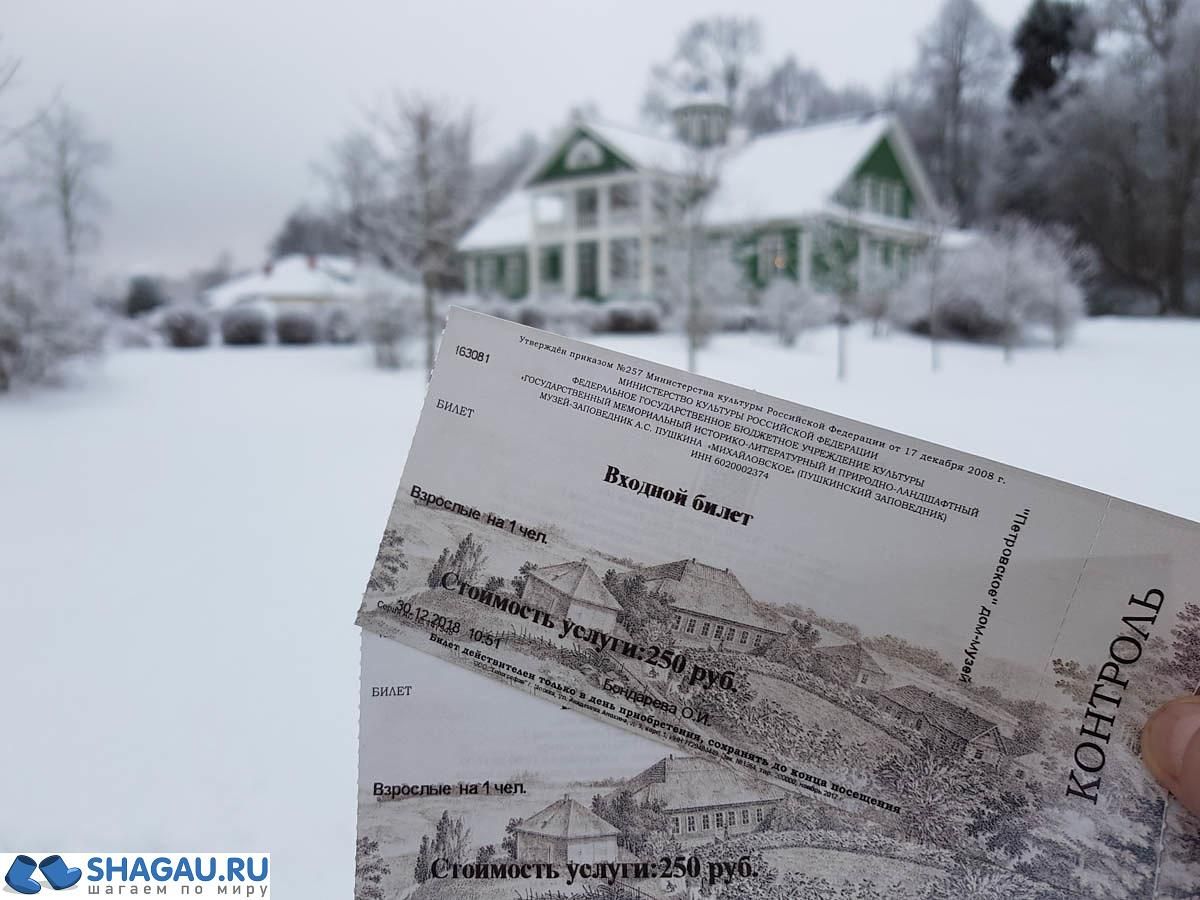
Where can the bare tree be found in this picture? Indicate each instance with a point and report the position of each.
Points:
(953, 99)
(428, 191)
(1167, 32)
(712, 57)
(792, 95)
(62, 161)
(353, 173)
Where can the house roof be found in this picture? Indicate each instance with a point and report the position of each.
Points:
(709, 591)
(780, 176)
(688, 782)
(958, 720)
(578, 581)
(298, 276)
(566, 818)
(854, 654)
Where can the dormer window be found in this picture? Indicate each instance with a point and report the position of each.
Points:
(584, 154)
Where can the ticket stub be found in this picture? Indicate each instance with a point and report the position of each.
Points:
(954, 651)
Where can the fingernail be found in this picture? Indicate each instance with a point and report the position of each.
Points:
(1167, 735)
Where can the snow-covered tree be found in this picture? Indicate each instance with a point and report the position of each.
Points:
(712, 59)
(791, 95)
(62, 161)
(1015, 276)
(389, 562)
(45, 320)
(791, 309)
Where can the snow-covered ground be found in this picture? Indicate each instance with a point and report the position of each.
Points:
(184, 539)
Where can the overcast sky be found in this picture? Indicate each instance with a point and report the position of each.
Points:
(216, 110)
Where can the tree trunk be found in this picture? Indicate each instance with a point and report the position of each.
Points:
(430, 326)
(1175, 259)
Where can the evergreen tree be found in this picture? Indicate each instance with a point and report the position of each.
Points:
(509, 844)
(1051, 32)
(388, 563)
(439, 569)
(421, 870)
(369, 870)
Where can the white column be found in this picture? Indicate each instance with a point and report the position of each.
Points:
(534, 273)
(645, 216)
(603, 265)
(806, 258)
(862, 261)
(570, 280)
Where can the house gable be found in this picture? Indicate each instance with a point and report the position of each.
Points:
(581, 154)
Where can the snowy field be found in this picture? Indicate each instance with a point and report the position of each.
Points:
(184, 540)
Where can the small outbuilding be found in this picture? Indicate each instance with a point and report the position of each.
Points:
(850, 665)
(566, 831)
(572, 591)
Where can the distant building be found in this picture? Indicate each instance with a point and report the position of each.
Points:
(849, 665)
(300, 281)
(948, 728)
(587, 220)
(572, 590)
(566, 831)
(703, 799)
(711, 607)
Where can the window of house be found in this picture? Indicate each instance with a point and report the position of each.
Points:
(704, 630)
(514, 274)
(691, 824)
(862, 679)
(720, 820)
(489, 273)
(587, 204)
(551, 265)
(584, 154)
(624, 259)
(675, 825)
(772, 255)
(979, 754)
(745, 817)
(704, 822)
(745, 637)
(691, 626)
(719, 631)
(758, 814)
(678, 619)
(757, 640)
(623, 201)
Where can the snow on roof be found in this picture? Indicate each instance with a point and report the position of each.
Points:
(709, 591)
(688, 782)
(642, 149)
(794, 172)
(301, 277)
(507, 224)
(578, 581)
(566, 818)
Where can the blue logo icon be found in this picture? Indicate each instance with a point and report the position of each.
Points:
(54, 868)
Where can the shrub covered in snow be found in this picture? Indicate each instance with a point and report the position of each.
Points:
(1012, 279)
(186, 327)
(390, 320)
(145, 295)
(44, 323)
(787, 309)
(296, 326)
(244, 326)
(627, 317)
(342, 324)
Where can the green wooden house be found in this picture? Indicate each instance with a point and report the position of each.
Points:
(586, 221)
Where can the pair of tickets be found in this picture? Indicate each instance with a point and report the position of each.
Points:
(819, 659)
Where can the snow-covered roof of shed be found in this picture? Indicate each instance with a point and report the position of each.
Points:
(507, 224)
(794, 172)
(302, 277)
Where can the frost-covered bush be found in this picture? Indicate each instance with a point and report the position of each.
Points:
(296, 326)
(390, 320)
(1013, 278)
(244, 326)
(44, 324)
(627, 317)
(787, 309)
(342, 324)
(186, 327)
(145, 295)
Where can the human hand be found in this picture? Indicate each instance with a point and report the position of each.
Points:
(1171, 749)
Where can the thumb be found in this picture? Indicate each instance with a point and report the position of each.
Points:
(1171, 749)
